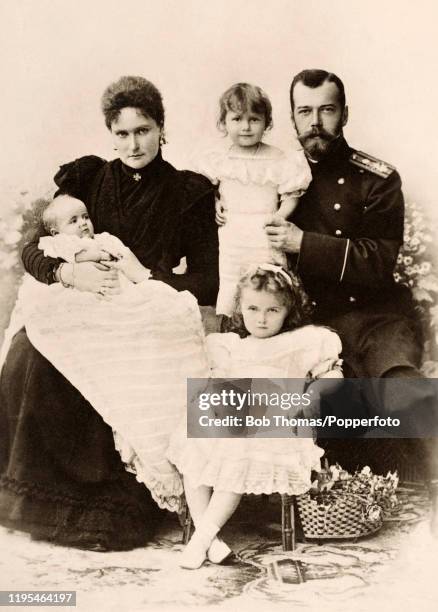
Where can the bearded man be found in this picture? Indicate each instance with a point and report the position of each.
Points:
(343, 240)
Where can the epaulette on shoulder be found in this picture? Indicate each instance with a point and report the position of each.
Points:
(372, 164)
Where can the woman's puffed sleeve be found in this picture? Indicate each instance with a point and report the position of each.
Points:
(295, 175)
(74, 178)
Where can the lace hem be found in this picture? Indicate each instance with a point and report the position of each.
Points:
(168, 492)
(275, 474)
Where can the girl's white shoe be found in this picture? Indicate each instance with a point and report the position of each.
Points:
(195, 553)
(218, 551)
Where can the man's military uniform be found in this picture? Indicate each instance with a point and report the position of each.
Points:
(352, 216)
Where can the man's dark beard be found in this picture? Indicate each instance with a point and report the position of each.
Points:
(317, 143)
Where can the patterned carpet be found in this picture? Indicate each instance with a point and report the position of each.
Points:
(392, 570)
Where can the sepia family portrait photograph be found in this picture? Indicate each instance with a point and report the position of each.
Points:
(219, 305)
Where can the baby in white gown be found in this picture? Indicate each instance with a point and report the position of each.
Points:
(129, 355)
(271, 307)
(255, 181)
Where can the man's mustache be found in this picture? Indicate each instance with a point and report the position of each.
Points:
(317, 132)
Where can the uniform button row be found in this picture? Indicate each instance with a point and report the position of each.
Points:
(337, 206)
(341, 180)
(338, 232)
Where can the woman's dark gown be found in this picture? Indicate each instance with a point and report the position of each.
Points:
(60, 476)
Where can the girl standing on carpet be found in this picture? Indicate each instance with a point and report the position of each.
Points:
(255, 181)
(272, 309)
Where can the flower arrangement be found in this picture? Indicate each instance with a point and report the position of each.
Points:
(342, 505)
(415, 267)
(376, 492)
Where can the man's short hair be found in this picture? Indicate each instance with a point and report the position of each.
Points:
(314, 78)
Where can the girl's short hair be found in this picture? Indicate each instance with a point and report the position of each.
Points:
(287, 286)
(135, 92)
(242, 98)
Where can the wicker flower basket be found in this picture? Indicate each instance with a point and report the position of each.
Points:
(341, 505)
(338, 515)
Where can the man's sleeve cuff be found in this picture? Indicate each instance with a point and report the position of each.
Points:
(323, 256)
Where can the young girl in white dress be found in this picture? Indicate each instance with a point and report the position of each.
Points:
(255, 180)
(272, 309)
(128, 354)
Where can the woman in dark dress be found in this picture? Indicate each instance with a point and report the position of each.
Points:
(60, 477)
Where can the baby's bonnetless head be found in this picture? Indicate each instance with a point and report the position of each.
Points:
(67, 215)
(269, 301)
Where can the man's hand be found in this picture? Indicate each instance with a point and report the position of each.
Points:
(90, 276)
(221, 213)
(283, 235)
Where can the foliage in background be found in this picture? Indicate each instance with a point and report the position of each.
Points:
(417, 270)
(15, 222)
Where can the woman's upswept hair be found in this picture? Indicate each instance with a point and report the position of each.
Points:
(285, 285)
(242, 98)
(134, 92)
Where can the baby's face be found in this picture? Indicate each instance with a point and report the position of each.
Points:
(263, 312)
(72, 217)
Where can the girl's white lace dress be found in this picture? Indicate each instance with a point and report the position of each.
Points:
(250, 187)
(258, 465)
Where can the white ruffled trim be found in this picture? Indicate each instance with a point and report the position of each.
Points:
(64, 246)
(169, 495)
(266, 473)
(289, 173)
(67, 246)
(312, 343)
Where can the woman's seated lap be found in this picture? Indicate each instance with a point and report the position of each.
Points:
(60, 450)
